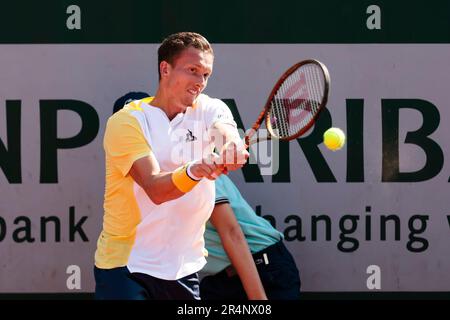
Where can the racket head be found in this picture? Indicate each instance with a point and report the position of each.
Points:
(297, 99)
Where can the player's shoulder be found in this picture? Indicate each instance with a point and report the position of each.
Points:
(127, 115)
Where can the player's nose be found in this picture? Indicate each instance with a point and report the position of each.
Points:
(201, 82)
(200, 86)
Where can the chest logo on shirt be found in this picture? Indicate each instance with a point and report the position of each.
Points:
(190, 137)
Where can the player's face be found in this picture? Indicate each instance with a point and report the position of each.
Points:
(188, 76)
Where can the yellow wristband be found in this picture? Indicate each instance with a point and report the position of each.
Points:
(182, 181)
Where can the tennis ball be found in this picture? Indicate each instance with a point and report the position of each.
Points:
(334, 139)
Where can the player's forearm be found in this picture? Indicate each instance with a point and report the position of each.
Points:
(165, 186)
(232, 152)
(237, 249)
(224, 133)
(160, 188)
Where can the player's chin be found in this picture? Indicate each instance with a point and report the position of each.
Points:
(189, 100)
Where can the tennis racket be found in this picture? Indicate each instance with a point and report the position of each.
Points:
(294, 103)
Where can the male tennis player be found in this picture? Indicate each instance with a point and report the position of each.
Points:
(156, 201)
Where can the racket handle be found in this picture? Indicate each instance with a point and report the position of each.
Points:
(248, 136)
(258, 140)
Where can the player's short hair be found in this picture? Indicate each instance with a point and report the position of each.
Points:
(173, 45)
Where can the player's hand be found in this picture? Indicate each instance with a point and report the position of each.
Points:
(207, 167)
(234, 154)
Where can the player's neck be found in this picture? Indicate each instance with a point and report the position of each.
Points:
(166, 104)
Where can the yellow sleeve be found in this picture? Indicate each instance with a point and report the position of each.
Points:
(147, 100)
(124, 142)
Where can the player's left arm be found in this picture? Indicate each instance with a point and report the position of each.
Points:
(224, 134)
(231, 147)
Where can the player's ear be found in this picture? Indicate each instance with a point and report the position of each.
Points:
(164, 68)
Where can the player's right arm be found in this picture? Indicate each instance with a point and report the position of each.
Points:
(130, 154)
(164, 186)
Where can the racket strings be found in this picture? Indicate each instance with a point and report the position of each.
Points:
(297, 100)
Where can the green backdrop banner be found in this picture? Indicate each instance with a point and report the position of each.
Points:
(250, 21)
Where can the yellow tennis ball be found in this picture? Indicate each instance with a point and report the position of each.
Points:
(334, 139)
